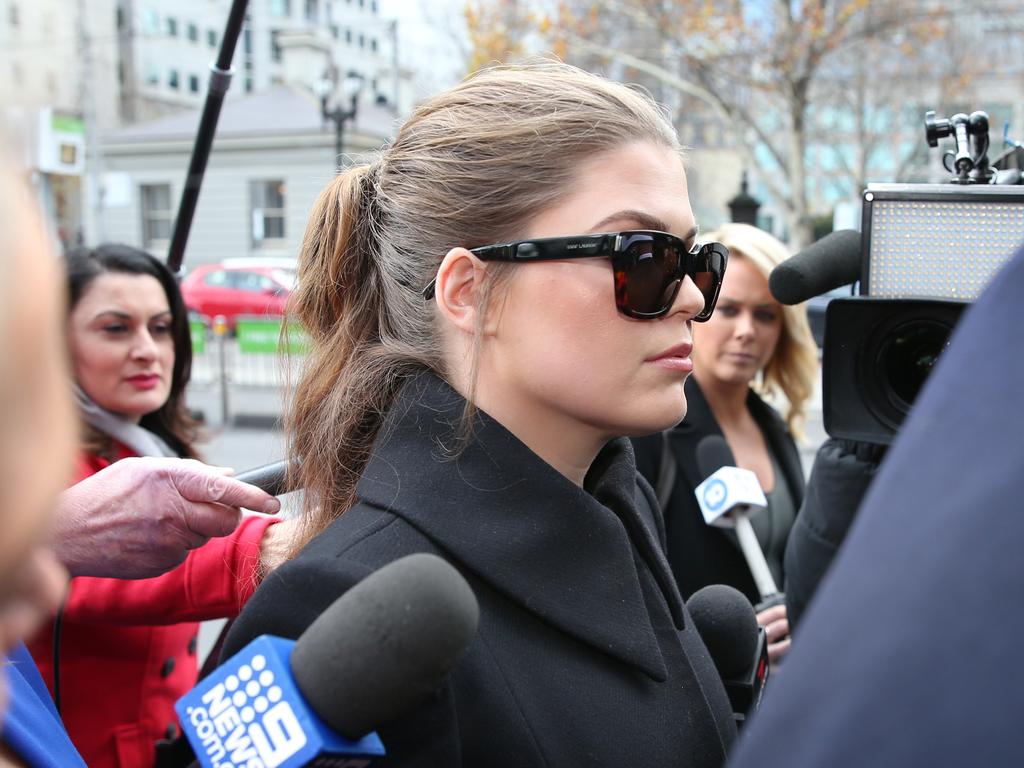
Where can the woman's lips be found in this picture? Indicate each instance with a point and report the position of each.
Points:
(144, 380)
(743, 358)
(675, 359)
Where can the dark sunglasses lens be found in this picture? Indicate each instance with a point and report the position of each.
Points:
(707, 268)
(647, 282)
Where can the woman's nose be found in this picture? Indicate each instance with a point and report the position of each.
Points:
(744, 325)
(144, 347)
(689, 300)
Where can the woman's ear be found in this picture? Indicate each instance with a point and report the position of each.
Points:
(457, 290)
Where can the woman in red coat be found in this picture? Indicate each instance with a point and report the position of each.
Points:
(121, 652)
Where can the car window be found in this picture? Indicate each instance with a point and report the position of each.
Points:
(286, 278)
(252, 281)
(218, 279)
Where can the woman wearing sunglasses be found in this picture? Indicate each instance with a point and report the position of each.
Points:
(754, 347)
(493, 301)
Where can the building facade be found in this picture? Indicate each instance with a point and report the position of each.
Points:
(74, 72)
(272, 155)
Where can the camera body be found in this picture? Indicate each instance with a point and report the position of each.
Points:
(927, 251)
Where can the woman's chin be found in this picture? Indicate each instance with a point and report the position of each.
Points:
(659, 421)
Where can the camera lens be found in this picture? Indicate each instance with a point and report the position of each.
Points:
(908, 356)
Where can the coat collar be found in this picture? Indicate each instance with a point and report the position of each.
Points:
(513, 520)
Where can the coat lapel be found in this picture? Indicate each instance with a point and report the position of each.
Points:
(700, 423)
(511, 519)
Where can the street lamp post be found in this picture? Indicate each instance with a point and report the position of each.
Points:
(339, 115)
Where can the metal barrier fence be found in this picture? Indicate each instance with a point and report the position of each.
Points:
(257, 357)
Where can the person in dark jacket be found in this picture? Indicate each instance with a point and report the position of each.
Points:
(462, 406)
(752, 345)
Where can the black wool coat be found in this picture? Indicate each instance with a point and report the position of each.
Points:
(698, 553)
(584, 654)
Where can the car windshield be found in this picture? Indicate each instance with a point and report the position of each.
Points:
(285, 277)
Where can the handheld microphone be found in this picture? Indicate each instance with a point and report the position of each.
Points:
(374, 654)
(827, 264)
(270, 477)
(727, 497)
(726, 623)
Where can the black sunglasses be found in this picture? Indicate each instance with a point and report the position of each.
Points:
(648, 266)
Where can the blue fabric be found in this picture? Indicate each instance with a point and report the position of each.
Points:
(910, 653)
(31, 726)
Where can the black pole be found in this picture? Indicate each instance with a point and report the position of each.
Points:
(220, 81)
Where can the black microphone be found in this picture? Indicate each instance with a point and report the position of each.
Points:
(830, 263)
(726, 623)
(377, 652)
(270, 477)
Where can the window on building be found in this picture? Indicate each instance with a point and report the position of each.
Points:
(248, 84)
(13, 17)
(193, 83)
(373, 6)
(150, 22)
(155, 202)
(120, 17)
(281, 8)
(267, 200)
(247, 40)
(373, 44)
(362, 40)
(348, 36)
(193, 33)
(362, 3)
(172, 79)
(312, 11)
(172, 26)
(335, 31)
(152, 74)
(275, 45)
(211, 38)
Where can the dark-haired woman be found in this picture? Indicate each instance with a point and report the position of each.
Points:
(126, 650)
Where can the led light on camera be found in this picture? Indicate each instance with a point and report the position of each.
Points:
(946, 249)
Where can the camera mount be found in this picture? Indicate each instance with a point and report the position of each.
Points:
(970, 161)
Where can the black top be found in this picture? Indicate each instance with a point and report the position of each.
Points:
(701, 554)
(584, 654)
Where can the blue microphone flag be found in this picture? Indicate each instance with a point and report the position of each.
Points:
(249, 713)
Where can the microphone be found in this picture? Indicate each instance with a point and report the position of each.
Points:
(378, 651)
(727, 497)
(269, 477)
(827, 264)
(726, 623)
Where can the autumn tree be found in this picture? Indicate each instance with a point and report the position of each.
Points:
(808, 90)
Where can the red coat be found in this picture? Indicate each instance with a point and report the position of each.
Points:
(128, 647)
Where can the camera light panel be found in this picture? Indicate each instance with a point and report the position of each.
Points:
(947, 249)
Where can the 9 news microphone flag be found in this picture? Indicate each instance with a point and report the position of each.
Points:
(373, 655)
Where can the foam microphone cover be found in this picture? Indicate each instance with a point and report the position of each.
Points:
(386, 644)
(831, 262)
(726, 622)
(713, 453)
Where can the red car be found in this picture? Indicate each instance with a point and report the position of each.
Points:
(239, 287)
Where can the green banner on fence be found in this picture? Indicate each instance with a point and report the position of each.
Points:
(198, 330)
(263, 336)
